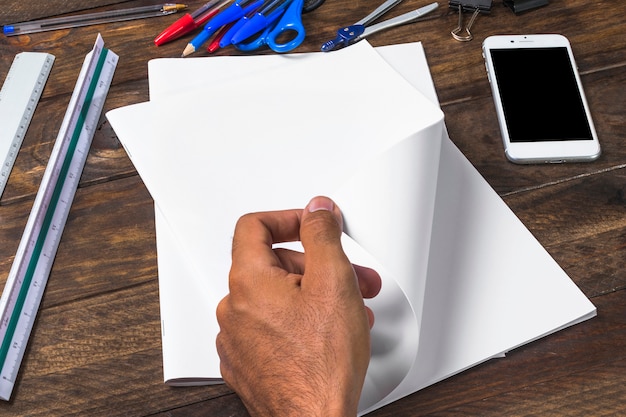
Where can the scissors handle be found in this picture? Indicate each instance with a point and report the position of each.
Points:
(291, 21)
(253, 44)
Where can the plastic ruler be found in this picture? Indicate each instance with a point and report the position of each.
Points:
(19, 96)
(35, 254)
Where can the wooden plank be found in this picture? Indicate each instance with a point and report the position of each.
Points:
(594, 392)
(99, 356)
(108, 243)
(17, 11)
(96, 344)
(133, 40)
(228, 405)
(473, 127)
(581, 223)
(460, 80)
(481, 144)
(457, 67)
(87, 221)
(554, 366)
(572, 372)
(107, 159)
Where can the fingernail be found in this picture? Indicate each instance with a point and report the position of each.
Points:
(321, 203)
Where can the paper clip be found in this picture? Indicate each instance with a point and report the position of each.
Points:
(477, 6)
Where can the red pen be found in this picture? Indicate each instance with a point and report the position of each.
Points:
(215, 43)
(189, 22)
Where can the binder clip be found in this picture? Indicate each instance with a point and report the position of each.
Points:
(475, 6)
(521, 6)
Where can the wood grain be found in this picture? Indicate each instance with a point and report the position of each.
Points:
(96, 347)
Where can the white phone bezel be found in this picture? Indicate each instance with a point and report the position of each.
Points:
(544, 151)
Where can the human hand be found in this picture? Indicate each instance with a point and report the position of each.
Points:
(294, 331)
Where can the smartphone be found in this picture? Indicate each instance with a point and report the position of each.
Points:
(542, 110)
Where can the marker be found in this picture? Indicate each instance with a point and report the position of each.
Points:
(233, 12)
(190, 22)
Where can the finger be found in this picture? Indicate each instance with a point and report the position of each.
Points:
(256, 232)
(370, 316)
(369, 281)
(326, 264)
(290, 260)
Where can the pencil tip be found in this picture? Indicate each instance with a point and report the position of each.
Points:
(189, 49)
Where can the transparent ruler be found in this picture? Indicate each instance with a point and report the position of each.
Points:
(32, 264)
(19, 96)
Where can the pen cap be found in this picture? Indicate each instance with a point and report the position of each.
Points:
(182, 26)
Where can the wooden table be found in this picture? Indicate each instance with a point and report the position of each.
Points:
(96, 347)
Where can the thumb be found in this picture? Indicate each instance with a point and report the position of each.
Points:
(325, 263)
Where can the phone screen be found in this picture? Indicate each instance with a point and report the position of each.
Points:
(540, 95)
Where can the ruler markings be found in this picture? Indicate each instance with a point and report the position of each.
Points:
(29, 273)
(45, 227)
(19, 96)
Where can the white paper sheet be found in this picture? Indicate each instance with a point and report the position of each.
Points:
(448, 302)
(237, 173)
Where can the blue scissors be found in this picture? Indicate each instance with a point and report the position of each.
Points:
(276, 18)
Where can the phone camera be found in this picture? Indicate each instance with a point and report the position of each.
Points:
(512, 41)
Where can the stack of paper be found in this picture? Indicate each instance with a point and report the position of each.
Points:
(463, 279)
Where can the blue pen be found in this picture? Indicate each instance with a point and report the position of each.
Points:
(230, 14)
(226, 40)
(260, 20)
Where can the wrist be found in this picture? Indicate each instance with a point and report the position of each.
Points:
(311, 407)
(336, 404)
(327, 410)
(339, 411)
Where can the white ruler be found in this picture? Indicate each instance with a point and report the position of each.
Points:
(30, 270)
(18, 99)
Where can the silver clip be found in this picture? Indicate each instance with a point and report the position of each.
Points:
(459, 28)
